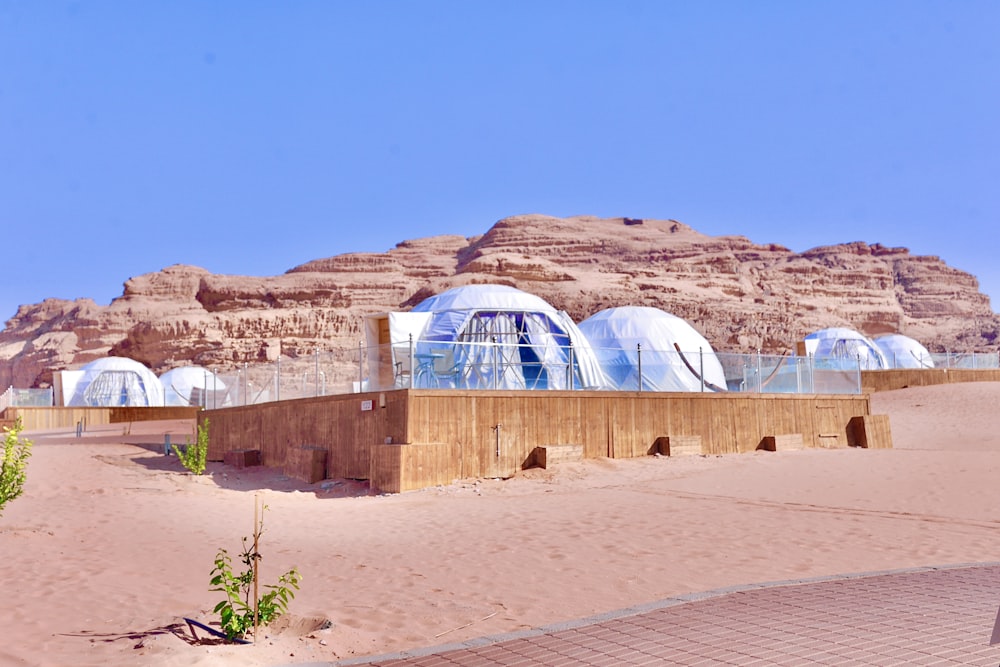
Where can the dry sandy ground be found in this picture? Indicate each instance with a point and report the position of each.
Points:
(112, 544)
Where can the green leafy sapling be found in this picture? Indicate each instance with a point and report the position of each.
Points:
(194, 457)
(242, 612)
(16, 451)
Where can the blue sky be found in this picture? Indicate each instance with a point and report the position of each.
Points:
(249, 137)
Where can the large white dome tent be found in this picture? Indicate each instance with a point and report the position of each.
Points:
(673, 355)
(904, 352)
(194, 386)
(499, 337)
(840, 344)
(117, 381)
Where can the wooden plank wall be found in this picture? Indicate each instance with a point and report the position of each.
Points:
(418, 438)
(337, 423)
(900, 378)
(618, 424)
(38, 419)
(43, 419)
(122, 415)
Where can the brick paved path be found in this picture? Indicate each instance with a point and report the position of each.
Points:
(931, 616)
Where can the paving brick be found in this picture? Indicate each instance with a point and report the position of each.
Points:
(927, 617)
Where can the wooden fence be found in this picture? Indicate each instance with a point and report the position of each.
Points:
(409, 439)
(38, 419)
(900, 378)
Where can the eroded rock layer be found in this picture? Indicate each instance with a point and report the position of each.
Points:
(742, 296)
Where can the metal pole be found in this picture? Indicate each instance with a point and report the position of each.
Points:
(859, 373)
(701, 362)
(277, 379)
(759, 383)
(570, 384)
(409, 382)
(638, 353)
(316, 360)
(361, 371)
(246, 383)
(812, 374)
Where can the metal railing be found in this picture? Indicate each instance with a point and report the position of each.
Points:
(487, 365)
(495, 365)
(25, 398)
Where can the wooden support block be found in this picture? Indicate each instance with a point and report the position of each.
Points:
(550, 455)
(242, 458)
(831, 440)
(781, 443)
(307, 463)
(870, 432)
(678, 445)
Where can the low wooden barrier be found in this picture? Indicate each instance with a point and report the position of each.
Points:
(871, 431)
(40, 419)
(550, 455)
(409, 439)
(781, 443)
(677, 445)
(900, 378)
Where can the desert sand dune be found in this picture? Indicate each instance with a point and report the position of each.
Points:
(112, 543)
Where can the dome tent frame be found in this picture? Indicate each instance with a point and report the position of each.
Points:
(648, 349)
(840, 344)
(117, 382)
(499, 337)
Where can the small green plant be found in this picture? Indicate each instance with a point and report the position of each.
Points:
(193, 457)
(242, 611)
(15, 459)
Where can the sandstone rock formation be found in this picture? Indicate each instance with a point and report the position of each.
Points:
(742, 296)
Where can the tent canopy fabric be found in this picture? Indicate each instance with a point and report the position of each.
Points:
(117, 381)
(843, 344)
(499, 337)
(194, 385)
(904, 352)
(673, 356)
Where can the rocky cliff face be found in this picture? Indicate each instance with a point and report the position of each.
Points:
(740, 295)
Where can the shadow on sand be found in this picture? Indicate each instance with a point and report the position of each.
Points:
(252, 478)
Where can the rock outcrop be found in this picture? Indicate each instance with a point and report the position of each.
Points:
(742, 296)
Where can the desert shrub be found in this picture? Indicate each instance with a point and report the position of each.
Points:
(237, 612)
(194, 457)
(15, 460)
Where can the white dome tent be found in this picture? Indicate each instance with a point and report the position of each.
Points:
(194, 386)
(674, 356)
(904, 352)
(840, 344)
(498, 337)
(117, 381)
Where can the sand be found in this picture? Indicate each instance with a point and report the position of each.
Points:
(112, 543)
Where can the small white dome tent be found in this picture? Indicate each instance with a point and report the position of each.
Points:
(904, 352)
(499, 337)
(117, 381)
(194, 385)
(674, 356)
(840, 344)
